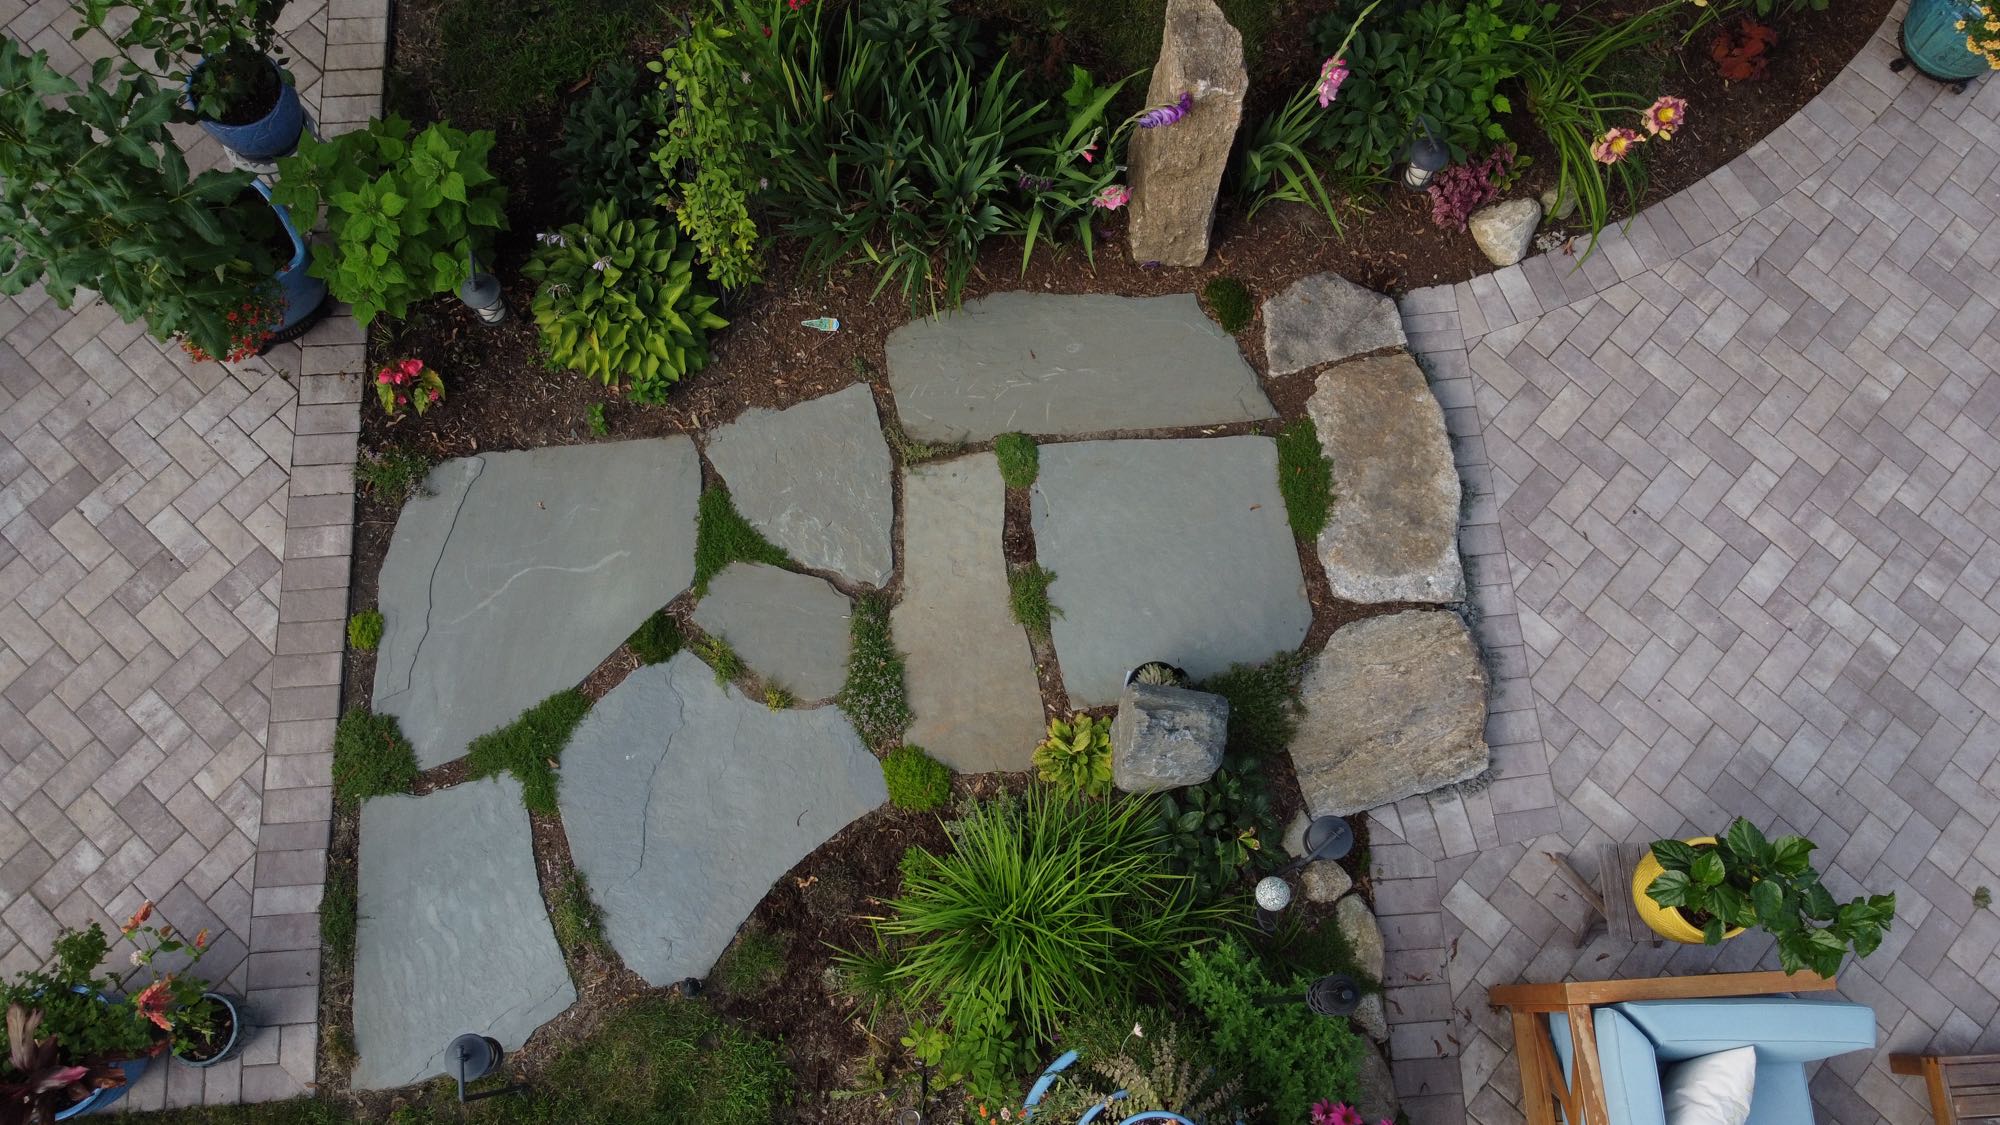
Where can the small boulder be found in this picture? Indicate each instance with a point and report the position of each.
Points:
(1326, 318)
(1504, 231)
(1295, 834)
(1375, 1087)
(1166, 737)
(1362, 934)
(1372, 1017)
(1325, 880)
(1177, 169)
(1557, 208)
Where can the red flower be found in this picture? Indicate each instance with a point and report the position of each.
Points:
(138, 918)
(152, 1003)
(201, 940)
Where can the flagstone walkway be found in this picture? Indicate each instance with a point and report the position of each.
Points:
(1735, 535)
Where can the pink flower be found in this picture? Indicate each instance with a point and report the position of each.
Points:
(412, 366)
(1664, 116)
(1113, 197)
(382, 376)
(402, 400)
(1615, 145)
(1328, 1112)
(152, 1003)
(1088, 152)
(434, 394)
(1332, 73)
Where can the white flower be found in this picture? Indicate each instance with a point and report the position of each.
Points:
(1138, 1031)
(550, 238)
(746, 78)
(138, 959)
(601, 264)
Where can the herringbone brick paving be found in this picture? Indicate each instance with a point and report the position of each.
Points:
(1736, 542)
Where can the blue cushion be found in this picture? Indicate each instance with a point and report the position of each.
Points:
(1781, 1096)
(1631, 1073)
(1782, 1029)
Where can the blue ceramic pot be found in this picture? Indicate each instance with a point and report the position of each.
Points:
(98, 1099)
(304, 295)
(275, 135)
(1934, 44)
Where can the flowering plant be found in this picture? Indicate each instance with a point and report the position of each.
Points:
(1330, 1112)
(174, 1002)
(1461, 189)
(1982, 33)
(408, 383)
(1275, 165)
(65, 1028)
(251, 326)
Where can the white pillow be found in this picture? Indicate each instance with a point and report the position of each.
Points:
(1711, 1090)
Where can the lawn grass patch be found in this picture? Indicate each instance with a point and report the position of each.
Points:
(657, 639)
(371, 757)
(1230, 301)
(1305, 479)
(1019, 459)
(874, 697)
(723, 536)
(339, 914)
(754, 963)
(364, 630)
(578, 922)
(1263, 702)
(915, 780)
(1028, 595)
(394, 475)
(529, 746)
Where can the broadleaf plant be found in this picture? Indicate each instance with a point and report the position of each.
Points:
(1744, 879)
(1076, 756)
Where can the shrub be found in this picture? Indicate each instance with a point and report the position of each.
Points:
(403, 211)
(1230, 301)
(1263, 703)
(915, 780)
(657, 639)
(754, 963)
(607, 142)
(1019, 461)
(1076, 756)
(371, 757)
(716, 127)
(1290, 1057)
(1212, 831)
(394, 475)
(874, 697)
(1028, 596)
(1162, 1067)
(1305, 479)
(364, 630)
(722, 536)
(529, 746)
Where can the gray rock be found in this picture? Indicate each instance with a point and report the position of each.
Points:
(1326, 318)
(1045, 363)
(1373, 1017)
(1392, 535)
(1177, 170)
(1166, 737)
(1172, 550)
(520, 573)
(1325, 880)
(1376, 1086)
(1295, 834)
(1504, 231)
(1363, 935)
(1557, 208)
(453, 936)
(814, 478)
(969, 671)
(791, 628)
(684, 801)
(1395, 706)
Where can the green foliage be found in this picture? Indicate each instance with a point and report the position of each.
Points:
(1212, 831)
(404, 212)
(364, 630)
(778, 698)
(1744, 879)
(371, 757)
(1307, 951)
(393, 475)
(578, 922)
(1076, 756)
(85, 1028)
(1305, 479)
(913, 452)
(1230, 301)
(915, 780)
(723, 536)
(607, 142)
(618, 301)
(594, 417)
(123, 218)
(1163, 1067)
(529, 746)
(1982, 897)
(1028, 596)
(1288, 1056)
(1127, 32)
(657, 639)
(495, 65)
(232, 38)
(296, 1111)
(1063, 186)
(874, 697)
(1019, 459)
(339, 915)
(1263, 703)
(753, 963)
(717, 127)
(714, 650)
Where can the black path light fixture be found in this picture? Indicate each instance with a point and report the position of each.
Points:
(474, 1056)
(481, 294)
(1427, 157)
(1327, 837)
(1331, 996)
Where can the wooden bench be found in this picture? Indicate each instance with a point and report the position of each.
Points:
(1962, 1087)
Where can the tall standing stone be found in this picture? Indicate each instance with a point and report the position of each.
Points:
(1177, 169)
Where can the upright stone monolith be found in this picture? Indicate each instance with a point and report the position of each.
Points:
(1177, 169)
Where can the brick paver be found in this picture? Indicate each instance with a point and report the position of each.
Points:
(165, 694)
(1735, 541)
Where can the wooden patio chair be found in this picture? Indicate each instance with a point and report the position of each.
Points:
(1962, 1087)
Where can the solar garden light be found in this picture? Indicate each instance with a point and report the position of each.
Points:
(1333, 995)
(1427, 157)
(475, 1056)
(481, 294)
(1327, 837)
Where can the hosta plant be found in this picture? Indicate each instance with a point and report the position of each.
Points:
(1076, 756)
(619, 301)
(405, 212)
(607, 142)
(1744, 879)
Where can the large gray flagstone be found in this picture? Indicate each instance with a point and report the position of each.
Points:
(791, 628)
(684, 801)
(814, 478)
(1047, 363)
(1172, 550)
(453, 936)
(520, 573)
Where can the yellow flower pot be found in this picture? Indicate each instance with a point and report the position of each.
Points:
(1665, 920)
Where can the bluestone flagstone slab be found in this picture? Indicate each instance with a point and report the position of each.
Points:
(684, 801)
(520, 573)
(792, 629)
(1049, 363)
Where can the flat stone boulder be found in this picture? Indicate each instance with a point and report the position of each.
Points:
(1395, 706)
(453, 936)
(1326, 318)
(814, 478)
(519, 573)
(684, 801)
(792, 629)
(1173, 550)
(968, 670)
(1049, 363)
(1166, 737)
(1392, 535)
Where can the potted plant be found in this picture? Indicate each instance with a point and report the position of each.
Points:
(1951, 40)
(72, 1044)
(202, 1028)
(1706, 889)
(239, 92)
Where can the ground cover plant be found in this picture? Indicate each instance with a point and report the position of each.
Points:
(1019, 460)
(1028, 597)
(915, 780)
(723, 536)
(529, 746)
(371, 757)
(873, 696)
(1305, 479)
(657, 639)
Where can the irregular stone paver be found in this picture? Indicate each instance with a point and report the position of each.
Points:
(969, 671)
(1172, 550)
(1394, 706)
(1044, 363)
(1326, 318)
(684, 801)
(792, 629)
(814, 478)
(1393, 533)
(453, 934)
(520, 574)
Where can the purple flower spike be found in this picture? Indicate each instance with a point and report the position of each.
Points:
(1167, 114)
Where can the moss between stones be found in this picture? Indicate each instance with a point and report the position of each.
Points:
(371, 757)
(529, 746)
(723, 536)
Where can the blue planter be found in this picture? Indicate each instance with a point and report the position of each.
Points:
(304, 294)
(275, 135)
(98, 1099)
(1095, 1112)
(1934, 44)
